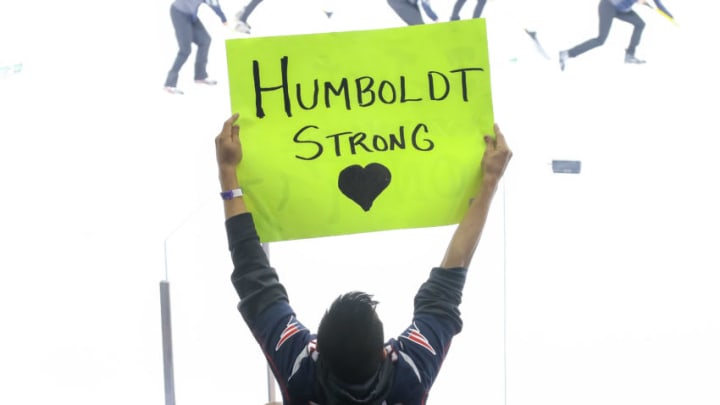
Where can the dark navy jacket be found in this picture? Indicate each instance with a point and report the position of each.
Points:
(290, 347)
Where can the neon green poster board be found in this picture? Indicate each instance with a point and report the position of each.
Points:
(361, 131)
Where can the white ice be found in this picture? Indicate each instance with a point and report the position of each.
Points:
(594, 288)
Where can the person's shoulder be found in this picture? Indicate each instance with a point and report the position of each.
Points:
(407, 386)
(302, 380)
(406, 371)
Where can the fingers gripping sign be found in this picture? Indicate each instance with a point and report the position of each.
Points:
(497, 155)
(228, 151)
(227, 144)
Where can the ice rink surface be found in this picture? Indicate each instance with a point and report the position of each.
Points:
(594, 288)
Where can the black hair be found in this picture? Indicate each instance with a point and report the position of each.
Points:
(350, 338)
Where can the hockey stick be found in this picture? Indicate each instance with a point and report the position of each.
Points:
(662, 13)
(519, 20)
(538, 45)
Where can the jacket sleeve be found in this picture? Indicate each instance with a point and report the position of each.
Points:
(264, 304)
(436, 321)
(257, 284)
(215, 5)
(441, 295)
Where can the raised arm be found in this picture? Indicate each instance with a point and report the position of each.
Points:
(255, 281)
(436, 318)
(229, 155)
(264, 302)
(467, 235)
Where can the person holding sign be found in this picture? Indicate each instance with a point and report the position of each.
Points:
(188, 30)
(348, 361)
(607, 11)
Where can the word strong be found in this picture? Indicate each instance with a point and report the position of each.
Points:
(359, 92)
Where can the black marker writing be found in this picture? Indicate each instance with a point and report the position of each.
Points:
(354, 92)
(356, 142)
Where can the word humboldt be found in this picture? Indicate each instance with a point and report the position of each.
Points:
(367, 91)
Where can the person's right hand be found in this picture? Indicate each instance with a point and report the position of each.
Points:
(496, 157)
(227, 145)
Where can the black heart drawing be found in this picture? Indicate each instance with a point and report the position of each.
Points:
(363, 185)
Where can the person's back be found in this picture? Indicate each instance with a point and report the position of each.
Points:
(347, 361)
